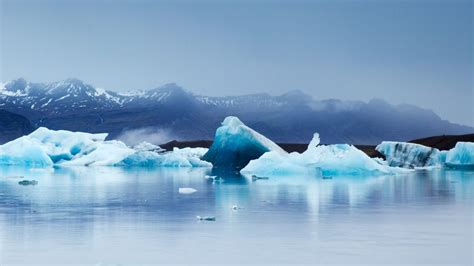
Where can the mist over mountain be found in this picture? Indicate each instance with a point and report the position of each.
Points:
(292, 117)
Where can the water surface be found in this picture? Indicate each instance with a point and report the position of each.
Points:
(110, 215)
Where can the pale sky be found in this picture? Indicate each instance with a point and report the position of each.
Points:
(417, 52)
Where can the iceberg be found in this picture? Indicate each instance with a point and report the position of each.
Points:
(461, 156)
(325, 160)
(235, 144)
(409, 155)
(146, 146)
(185, 157)
(45, 148)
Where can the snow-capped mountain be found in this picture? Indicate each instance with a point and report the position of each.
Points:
(292, 117)
(73, 95)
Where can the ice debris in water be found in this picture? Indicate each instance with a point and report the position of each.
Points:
(326, 160)
(45, 148)
(409, 155)
(28, 182)
(236, 207)
(235, 144)
(206, 218)
(186, 190)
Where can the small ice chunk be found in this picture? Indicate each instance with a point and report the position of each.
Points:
(186, 190)
(206, 218)
(28, 182)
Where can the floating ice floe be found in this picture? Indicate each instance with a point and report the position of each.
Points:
(326, 160)
(206, 218)
(409, 155)
(186, 190)
(45, 148)
(235, 144)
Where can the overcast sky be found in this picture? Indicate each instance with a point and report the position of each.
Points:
(418, 52)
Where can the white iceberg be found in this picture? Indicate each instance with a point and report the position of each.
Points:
(185, 157)
(45, 148)
(461, 156)
(410, 155)
(325, 160)
(235, 144)
(146, 146)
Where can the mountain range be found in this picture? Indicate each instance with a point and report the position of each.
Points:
(292, 117)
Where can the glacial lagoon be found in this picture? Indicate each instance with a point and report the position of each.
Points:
(113, 215)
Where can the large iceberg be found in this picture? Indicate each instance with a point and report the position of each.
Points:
(45, 148)
(326, 160)
(461, 156)
(409, 155)
(235, 144)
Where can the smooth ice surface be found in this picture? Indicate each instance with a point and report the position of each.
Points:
(235, 144)
(134, 216)
(462, 155)
(409, 155)
(326, 160)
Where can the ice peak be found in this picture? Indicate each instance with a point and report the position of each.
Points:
(314, 141)
(232, 121)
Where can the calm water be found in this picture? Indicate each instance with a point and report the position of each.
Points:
(136, 216)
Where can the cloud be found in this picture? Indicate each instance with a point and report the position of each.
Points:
(149, 134)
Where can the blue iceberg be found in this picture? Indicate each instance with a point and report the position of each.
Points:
(235, 144)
